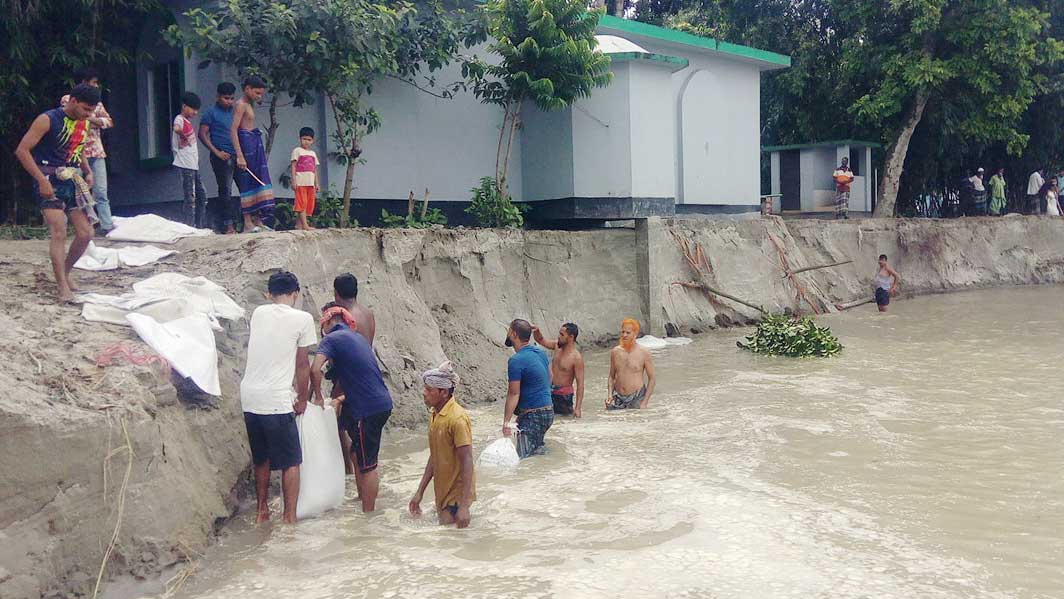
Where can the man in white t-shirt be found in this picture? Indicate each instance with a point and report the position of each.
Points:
(278, 352)
(1034, 192)
(186, 160)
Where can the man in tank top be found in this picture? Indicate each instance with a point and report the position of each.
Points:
(885, 283)
(51, 148)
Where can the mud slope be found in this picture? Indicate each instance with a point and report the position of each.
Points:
(437, 294)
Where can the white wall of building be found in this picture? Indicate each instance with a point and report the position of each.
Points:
(653, 131)
(602, 154)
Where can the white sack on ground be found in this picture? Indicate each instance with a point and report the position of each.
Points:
(501, 454)
(161, 309)
(153, 229)
(321, 475)
(204, 295)
(187, 343)
(97, 258)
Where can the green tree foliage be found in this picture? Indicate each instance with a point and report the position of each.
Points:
(547, 54)
(783, 335)
(338, 48)
(44, 42)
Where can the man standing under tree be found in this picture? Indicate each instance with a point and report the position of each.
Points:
(94, 152)
(1034, 189)
(566, 369)
(52, 151)
(252, 162)
(215, 124)
(998, 191)
(528, 392)
(629, 361)
(278, 353)
(843, 178)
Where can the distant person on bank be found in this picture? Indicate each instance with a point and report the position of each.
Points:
(186, 161)
(843, 177)
(566, 370)
(304, 166)
(1034, 190)
(52, 152)
(252, 163)
(345, 293)
(450, 463)
(528, 391)
(631, 379)
(278, 354)
(215, 124)
(978, 193)
(885, 283)
(99, 120)
(1051, 197)
(366, 404)
(998, 193)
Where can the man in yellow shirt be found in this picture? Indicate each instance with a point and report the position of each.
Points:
(450, 464)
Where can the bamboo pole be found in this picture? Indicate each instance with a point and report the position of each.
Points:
(808, 268)
(708, 289)
(425, 204)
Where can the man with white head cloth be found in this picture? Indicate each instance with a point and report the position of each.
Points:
(450, 463)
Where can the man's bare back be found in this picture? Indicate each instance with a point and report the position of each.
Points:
(367, 325)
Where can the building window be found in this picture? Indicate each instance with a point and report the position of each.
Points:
(164, 102)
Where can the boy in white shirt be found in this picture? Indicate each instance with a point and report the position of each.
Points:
(305, 178)
(278, 353)
(186, 159)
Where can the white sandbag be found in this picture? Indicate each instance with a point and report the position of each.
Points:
(501, 454)
(204, 295)
(153, 229)
(98, 258)
(678, 340)
(651, 342)
(321, 475)
(186, 343)
(163, 310)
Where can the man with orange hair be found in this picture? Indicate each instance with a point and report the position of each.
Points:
(629, 361)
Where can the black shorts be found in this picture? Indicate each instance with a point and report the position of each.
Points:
(366, 439)
(882, 297)
(563, 403)
(65, 198)
(274, 438)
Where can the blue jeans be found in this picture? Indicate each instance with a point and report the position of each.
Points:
(533, 427)
(195, 205)
(99, 192)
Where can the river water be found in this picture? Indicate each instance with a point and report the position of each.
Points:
(925, 461)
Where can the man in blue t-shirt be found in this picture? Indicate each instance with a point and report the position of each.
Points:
(366, 403)
(215, 123)
(528, 394)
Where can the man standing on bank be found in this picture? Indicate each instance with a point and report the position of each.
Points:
(94, 152)
(450, 464)
(366, 405)
(278, 353)
(843, 177)
(528, 392)
(215, 125)
(52, 151)
(566, 369)
(629, 362)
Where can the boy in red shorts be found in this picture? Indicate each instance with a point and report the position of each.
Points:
(305, 178)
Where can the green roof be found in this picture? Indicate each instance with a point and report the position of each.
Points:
(823, 144)
(687, 39)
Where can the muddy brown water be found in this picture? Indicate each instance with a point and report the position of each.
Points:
(925, 461)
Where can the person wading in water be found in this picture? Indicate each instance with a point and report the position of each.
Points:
(885, 283)
(566, 369)
(628, 363)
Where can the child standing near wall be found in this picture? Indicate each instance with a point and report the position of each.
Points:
(186, 160)
(305, 178)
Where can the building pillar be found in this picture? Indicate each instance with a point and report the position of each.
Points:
(650, 243)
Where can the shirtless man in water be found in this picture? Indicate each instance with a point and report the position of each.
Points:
(628, 363)
(566, 368)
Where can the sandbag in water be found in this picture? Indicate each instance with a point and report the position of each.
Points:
(321, 476)
(500, 454)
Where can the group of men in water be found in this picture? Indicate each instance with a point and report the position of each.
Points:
(282, 377)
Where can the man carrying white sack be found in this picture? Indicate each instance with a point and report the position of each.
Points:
(450, 463)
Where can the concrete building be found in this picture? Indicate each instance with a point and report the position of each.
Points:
(802, 174)
(677, 131)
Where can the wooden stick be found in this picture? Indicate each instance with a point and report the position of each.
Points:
(425, 204)
(808, 268)
(855, 303)
(708, 289)
(252, 173)
(410, 204)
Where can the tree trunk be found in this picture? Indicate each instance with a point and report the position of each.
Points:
(271, 127)
(499, 175)
(596, 4)
(618, 8)
(515, 121)
(895, 163)
(349, 179)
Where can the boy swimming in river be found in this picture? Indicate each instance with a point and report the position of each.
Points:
(629, 361)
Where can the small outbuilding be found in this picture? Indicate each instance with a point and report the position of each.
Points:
(801, 174)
